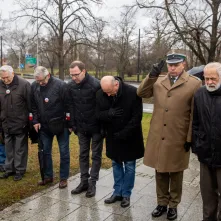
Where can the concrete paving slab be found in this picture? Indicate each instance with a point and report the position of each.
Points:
(115, 217)
(56, 212)
(85, 213)
(65, 195)
(195, 210)
(115, 208)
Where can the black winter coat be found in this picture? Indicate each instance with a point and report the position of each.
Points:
(206, 137)
(83, 105)
(49, 101)
(15, 105)
(129, 146)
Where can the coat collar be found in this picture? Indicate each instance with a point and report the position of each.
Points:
(181, 80)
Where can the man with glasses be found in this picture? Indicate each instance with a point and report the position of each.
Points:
(49, 107)
(15, 105)
(82, 92)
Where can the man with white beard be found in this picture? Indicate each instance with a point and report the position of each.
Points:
(206, 140)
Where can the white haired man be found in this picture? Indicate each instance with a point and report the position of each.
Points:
(206, 140)
(49, 108)
(15, 106)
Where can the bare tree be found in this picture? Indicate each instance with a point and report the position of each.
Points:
(62, 18)
(197, 23)
(122, 42)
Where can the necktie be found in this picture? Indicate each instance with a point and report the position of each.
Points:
(172, 80)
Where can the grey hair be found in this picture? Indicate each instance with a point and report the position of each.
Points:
(40, 70)
(215, 65)
(6, 68)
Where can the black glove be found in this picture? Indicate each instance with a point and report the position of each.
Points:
(187, 146)
(157, 68)
(115, 112)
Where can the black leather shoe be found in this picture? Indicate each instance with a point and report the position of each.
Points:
(113, 199)
(6, 175)
(80, 188)
(159, 211)
(18, 176)
(172, 214)
(125, 202)
(91, 191)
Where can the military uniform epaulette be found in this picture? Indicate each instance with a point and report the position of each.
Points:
(195, 77)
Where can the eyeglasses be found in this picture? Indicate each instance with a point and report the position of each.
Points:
(75, 75)
(42, 81)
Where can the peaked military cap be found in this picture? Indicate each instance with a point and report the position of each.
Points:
(175, 58)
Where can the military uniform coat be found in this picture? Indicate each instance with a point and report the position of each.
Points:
(171, 123)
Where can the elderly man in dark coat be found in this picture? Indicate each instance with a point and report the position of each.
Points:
(120, 111)
(15, 105)
(207, 140)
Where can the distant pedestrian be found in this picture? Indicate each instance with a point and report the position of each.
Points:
(82, 94)
(49, 108)
(207, 140)
(15, 105)
(119, 109)
(169, 138)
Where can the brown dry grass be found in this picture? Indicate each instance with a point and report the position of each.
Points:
(11, 191)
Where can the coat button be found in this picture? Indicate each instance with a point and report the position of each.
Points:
(166, 110)
(165, 125)
(168, 95)
(162, 138)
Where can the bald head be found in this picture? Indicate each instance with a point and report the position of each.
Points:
(109, 85)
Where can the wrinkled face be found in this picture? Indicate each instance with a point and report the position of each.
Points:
(76, 74)
(6, 77)
(110, 88)
(212, 80)
(42, 80)
(176, 69)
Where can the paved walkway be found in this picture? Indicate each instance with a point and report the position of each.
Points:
(54, 204)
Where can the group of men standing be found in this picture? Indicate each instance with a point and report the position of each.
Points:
(185, 116)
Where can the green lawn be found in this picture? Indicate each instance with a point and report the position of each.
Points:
(11, 191)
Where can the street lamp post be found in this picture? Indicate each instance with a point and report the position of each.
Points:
(138, 59)
(37, 36)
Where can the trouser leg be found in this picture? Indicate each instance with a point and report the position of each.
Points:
(63, 142)
(47, 139)
(9, 151)
(21, 152)
(208, 187)
(96, 147)
(176, 184)
(118, 173)
(84, 143)
(162, 188)
(218, 177)
(2, 154)
(129, 178)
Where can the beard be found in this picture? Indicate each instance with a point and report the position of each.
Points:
(213, 87)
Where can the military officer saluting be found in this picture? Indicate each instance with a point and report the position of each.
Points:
(169, 138)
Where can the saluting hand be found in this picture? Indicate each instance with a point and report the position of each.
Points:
(157, 68)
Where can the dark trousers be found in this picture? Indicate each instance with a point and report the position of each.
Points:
(169, 188)
(63, 144)
(16, 149)
(210, 186)
(96, 142)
